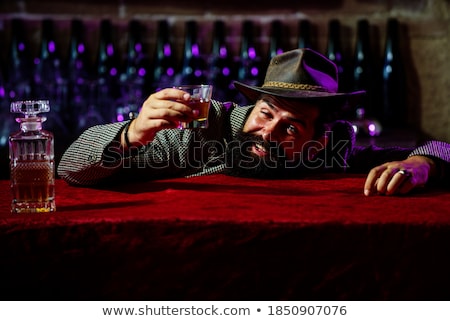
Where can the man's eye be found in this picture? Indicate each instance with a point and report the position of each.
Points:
(292, 130)
(265, 113)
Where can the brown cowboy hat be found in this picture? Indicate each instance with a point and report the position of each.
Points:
(299, 74)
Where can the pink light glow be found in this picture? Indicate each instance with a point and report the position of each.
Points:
(251, 53)
(167, 50)
(51, 46)
(195, 50)
(110, 49)
(138, 47)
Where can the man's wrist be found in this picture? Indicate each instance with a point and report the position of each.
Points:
(125, 136)
(126, 140)
(431, 163)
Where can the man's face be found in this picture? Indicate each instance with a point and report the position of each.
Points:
(276, 135)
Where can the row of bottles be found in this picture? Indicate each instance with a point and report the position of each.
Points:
(384, 105)
(384, 81)
(83, 93)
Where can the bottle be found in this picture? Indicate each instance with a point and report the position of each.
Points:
(107, 59)
(79, 78)
(134, 80)
(4, 131)
(4, 115)
(363, 63)
(19, 70)
(276, 40)
(32, 160)
(334, 52)
(221, 72)
(5, 127)
(137, 62)
(78, 66)
(108, 69)
(193, 65)
(164, 63)
(304, 34)
(394, 112)
(249, 69)
(362, 114)
(48, 69)
(49, 82)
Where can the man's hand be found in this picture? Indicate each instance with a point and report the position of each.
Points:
(399, 177)
(162, 110)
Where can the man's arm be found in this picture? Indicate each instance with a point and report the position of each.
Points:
(427, 163)
(82, 163)
(100, 151)
(439, 153)
(98, 157)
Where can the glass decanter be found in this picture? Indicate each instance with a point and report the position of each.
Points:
(31, 154)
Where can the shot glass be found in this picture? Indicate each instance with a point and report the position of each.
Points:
(200, 100)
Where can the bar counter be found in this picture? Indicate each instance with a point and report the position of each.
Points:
(225, 238)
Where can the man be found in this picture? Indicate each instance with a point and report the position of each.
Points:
(289, 132)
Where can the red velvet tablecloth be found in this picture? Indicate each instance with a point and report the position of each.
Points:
(225, 238)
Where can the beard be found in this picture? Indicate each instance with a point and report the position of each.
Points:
(243, 162)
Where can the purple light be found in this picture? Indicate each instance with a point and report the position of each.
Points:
(223, 52)
(226, 71)
(37, 61)
(113, 72)
(120, 117)
(167, 50)
(81, 48)
(279, 51)
(2, 92)
(372, 129)
(195, 50)
(141, 72)
(138, 47)
(251, 53)
(51, 46)
(170, 72)
(197, 73)
(21, 46)
(254, 71)
(110, 49)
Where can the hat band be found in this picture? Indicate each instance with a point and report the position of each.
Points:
(286, 85)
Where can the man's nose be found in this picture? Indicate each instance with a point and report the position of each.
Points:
(269, 131)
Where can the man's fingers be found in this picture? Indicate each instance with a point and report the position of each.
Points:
(384, 180)
(371, 181)
(171, 94)
(399, 183)
(388, 181)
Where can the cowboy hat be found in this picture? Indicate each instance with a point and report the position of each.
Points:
(298, 74)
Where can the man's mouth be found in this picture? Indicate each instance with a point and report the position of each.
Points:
(259, 150)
